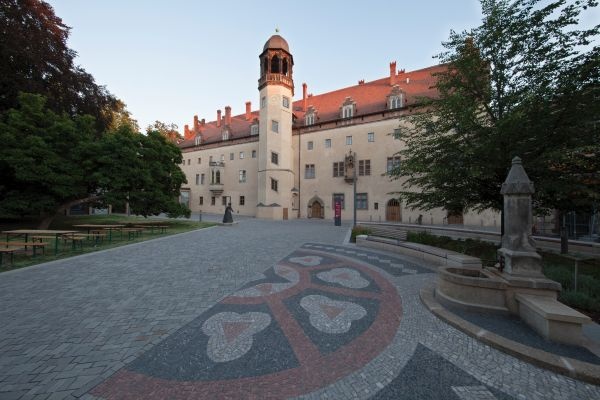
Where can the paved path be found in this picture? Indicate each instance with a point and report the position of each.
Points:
(258, 310)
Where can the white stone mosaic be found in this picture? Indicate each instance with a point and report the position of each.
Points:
(347, 277)
(331, 316)
(307, 261)
(231, 334)
(267, 288)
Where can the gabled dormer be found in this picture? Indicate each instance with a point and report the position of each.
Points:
(310, 118)
(396, 98)
(348, 108)
(198, 140)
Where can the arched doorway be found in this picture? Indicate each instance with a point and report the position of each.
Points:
(455, 218)
(392, 211)
(316, 208)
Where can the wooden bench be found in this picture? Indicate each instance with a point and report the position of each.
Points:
(132, 233)
(551, 318)
(96, 236)
(160, 228)
(10, 251)
(24, 245)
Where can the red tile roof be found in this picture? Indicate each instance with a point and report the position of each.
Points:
(369, 97)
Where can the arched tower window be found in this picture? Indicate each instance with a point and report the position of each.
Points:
(284, 68)
(275, 65)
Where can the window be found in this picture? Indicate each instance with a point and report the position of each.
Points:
(242, 175)
(392, 162)
(189, 161)
(212, 201)
(231, 156)
(241, 155)
(210, 159)
(216, 177)
(183, 162)
(310, 145)
(309, 119)
(242, 200)
(348, 140)
(275, 126)
(309, 171)
(328, 143)
(253, 153)
(198, 140)
(274, 158)
(362, 202)
(273, 184)
(197, 179)
(364, 167)
(254, 130)
(263, 102)
(371, 136)
(347, 111)
(338, 169)
(202, 179)
(286, 102)
(395, 102)
(376, 206)
(201, 202)
(225, 135)
(338, 197)
(199, 160)
(222, 157)
(224, 200)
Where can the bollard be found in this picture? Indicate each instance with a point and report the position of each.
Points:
(200, 216)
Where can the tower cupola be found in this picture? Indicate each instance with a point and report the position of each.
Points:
(276, 64)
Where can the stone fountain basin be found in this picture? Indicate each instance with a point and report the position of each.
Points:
(472, 289)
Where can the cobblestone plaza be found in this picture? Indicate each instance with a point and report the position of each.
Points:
(261, 310)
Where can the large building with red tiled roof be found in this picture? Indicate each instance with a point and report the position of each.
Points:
(296, 158)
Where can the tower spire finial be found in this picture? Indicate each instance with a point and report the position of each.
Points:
(276, 29)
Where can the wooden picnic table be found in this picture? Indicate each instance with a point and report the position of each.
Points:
(26, 232)
(107, 227)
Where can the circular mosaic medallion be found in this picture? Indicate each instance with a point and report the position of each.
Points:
(313, 318)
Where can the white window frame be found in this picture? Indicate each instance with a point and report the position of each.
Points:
(349, 140)
(371, 137)
(309, 119)
(327, 143)
(348, 111)
(242, 176)
(275, 126)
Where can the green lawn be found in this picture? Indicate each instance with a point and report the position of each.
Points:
(66, 223)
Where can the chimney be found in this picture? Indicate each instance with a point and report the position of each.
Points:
(361, 82)
(304, 89)
(186, 131)
(393, 73)
(227, 115)
(196, 124)
(248, 111)
(218, 118)
(202, 122)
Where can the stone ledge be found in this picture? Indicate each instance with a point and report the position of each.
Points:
(552, 309)
(563, 365)
(429, 253)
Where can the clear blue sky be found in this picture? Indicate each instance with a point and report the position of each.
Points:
(170, 60)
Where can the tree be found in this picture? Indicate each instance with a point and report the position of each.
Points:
(35, 58)
(523, 83)
(169, 131)
(50, 162)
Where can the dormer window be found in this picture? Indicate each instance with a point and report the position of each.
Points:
(395, 101)
(198, 140)
(225, 134)
(348, 108)
(309, 119)
(347, 111)
(254, 129)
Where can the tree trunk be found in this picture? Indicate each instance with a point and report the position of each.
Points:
(47, 218)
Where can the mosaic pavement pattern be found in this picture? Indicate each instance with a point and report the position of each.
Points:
(303, 324)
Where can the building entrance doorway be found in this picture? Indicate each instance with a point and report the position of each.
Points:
(455, 218)
(392, 211)
(315, 209)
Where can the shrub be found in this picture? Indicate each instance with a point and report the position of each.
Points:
(578, 300)
(359, 230)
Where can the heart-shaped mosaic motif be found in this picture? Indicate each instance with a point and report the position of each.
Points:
(230, 335)
(267, 288)
(331, 316)
(307, 261)
(347, 277)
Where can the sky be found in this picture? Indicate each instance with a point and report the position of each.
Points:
(171, 60)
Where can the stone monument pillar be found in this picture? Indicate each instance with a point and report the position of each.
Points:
(518, 247)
